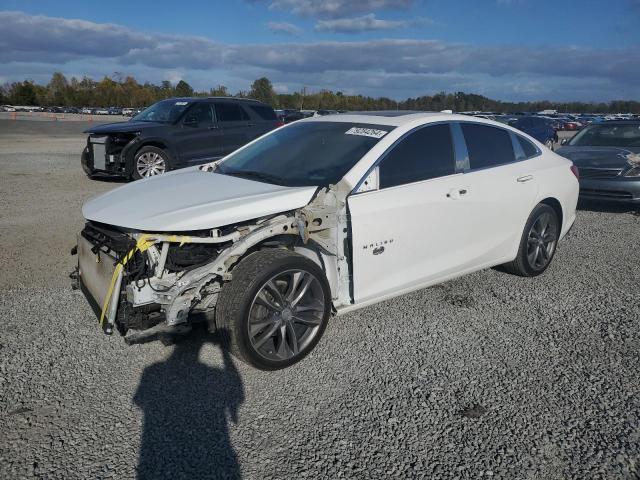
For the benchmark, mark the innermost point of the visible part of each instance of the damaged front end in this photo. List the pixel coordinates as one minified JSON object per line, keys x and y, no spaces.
{"x":156,"y":281}
{"x":108,"y":154}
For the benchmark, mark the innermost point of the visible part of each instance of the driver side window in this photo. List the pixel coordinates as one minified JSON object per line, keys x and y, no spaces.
{"x":424,"y":154}
{"x":200,"y":114}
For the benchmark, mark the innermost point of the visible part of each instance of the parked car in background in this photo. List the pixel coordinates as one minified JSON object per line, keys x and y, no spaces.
{"x":173,"y":134}
{"x":294,"y":116}
{"x":540,"y":128}
{"x":607,"y":155}
{"x":568,"y":124}
{"x":326,"y":215}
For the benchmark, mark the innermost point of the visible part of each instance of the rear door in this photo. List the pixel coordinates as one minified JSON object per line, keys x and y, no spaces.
{"x":236,"y":124}
{"x":199,"y":138}
{"x":264,"y":117}
{"x":500,"y":190}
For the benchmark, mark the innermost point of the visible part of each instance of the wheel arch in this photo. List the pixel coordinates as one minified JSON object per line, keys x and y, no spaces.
{"x":292,"y":242}
{"x":153,"y":143}
{"x":557,"y":207}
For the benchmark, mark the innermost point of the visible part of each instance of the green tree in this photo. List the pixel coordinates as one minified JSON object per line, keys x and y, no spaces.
{"x":262,"y":89}
{"x":23,"y":93}
{"x":57,"y":90}
{"x":183,"y":89}
{"x":219,"y":91}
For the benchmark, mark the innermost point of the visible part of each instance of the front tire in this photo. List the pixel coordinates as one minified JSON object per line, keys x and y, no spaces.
{"x":538,"y":243}
{"x":150,"y":161}
{"x":275,"y":309}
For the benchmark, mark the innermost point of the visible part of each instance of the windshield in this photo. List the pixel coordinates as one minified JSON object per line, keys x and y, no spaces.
{"x":305,"y":154}
{"x":603,"y":135}
{"x":165,"y":111}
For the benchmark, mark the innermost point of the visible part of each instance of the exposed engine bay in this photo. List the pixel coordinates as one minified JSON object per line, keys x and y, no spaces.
{"x":109,"y":153}
{"x":142,"y":280}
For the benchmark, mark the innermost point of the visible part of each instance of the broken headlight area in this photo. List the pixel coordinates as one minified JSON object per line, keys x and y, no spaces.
{"x":108,"y":153}
{"x":132,"y":276}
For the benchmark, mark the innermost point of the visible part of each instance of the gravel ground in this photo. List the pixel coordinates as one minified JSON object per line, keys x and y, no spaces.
{"x":488,"y":376}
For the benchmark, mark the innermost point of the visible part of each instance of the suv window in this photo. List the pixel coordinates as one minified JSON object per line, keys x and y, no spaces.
{"x":424,"y":154}
{"x":527,"y":147}
{"x":230,"y":112}
{"x":200,"y":114}
{"x":264,"y":112}
{"x":487,"y":146}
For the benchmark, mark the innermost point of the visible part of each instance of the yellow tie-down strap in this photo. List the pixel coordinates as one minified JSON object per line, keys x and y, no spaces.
{"x":143,"y":243}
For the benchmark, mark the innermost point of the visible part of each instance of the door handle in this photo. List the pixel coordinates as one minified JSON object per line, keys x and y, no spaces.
{"x":214,"y":127}
{"x":524,"y":178}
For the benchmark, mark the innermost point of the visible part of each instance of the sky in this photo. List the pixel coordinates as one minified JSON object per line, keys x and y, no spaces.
{"x":569,"y":50}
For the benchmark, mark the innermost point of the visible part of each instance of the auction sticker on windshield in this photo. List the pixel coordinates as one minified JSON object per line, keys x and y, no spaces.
{"x":181,"y":103}
{"x":366,"y":132}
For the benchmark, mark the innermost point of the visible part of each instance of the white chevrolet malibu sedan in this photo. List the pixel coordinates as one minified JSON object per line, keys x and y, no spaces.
{"x":320,"y":218}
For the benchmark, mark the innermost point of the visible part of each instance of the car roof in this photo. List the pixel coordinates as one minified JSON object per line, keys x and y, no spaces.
{"x":200,"y":99}
{"x":392,"y":118}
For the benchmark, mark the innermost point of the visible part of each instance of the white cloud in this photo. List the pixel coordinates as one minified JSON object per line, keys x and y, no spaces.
{"x":284,"y":28}
{"x":366,"y":23}
{"x":337,"y":8}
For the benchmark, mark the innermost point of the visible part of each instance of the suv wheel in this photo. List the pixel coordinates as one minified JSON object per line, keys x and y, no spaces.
{"x":150,"y":161}
{"x":275,"y":309}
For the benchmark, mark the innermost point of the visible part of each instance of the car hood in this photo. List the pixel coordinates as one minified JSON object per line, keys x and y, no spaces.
{"x":122,"y":127}
{"x":599,"y":157}
{"x":191,"y":199}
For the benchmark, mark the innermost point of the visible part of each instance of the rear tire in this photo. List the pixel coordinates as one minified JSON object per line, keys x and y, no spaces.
{"x":275,"y":309}
{"x":537,"y":244}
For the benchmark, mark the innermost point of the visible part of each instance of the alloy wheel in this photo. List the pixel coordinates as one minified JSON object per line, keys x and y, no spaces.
{"x":286,"y":314}
{"x":541,"y":241}
{"x":150,"y":164}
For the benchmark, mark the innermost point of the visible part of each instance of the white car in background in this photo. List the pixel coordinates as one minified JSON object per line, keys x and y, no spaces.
{"x":323,"y":216}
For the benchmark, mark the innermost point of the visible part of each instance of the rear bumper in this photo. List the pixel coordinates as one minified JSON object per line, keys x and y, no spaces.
{"x":614,"y":190}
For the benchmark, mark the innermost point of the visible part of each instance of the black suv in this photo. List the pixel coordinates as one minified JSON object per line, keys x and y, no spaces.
{"x":175,"y":133}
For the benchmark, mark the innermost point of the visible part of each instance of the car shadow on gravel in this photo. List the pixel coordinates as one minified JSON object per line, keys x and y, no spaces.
{"x":608,"y":207}
{"x":187,"y":406}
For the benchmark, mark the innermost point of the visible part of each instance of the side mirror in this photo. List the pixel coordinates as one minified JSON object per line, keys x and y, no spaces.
{"x":190,"y":122}
{"x":564,"y":141}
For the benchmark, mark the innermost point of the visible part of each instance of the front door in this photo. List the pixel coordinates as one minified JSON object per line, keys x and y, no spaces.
{"x":414,"y":228}
{"x":200,"y":138}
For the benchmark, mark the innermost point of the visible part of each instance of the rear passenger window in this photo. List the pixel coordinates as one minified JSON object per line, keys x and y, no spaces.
{"x":527,"y":147}
{"x":230,"y":112}
{"x":487,"y":146}
{"x":424,"y":154}
{"x":264,"y":112}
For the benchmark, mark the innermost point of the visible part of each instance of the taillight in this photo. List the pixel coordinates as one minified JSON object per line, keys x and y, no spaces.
{"x":575,"y":171}
{"x":279,"y":123}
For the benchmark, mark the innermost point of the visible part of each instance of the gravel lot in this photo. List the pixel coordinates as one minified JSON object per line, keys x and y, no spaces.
{"x":488,"y":376}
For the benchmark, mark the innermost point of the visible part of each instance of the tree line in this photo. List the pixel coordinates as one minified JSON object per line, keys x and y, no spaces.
{"x":119,"y":91}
